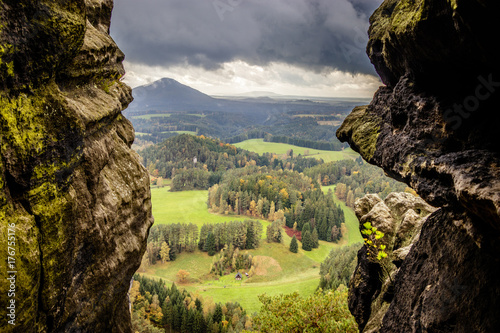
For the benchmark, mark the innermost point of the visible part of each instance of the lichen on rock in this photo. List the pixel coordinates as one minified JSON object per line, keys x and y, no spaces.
{"x":69,"y":181}
{"x":438,"y":117}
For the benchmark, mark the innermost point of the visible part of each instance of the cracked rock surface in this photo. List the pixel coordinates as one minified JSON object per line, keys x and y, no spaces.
{"x":433,"y":125}
{"x":76,"y":192}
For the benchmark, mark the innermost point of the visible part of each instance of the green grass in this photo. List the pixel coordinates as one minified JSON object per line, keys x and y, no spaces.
{"x":185,"y":207}
{"x":181,"y":132}
{"x":247,"y":295}
{"x":260,"y":147}
{"x":149,"y":116}
{"x":297,"y":272}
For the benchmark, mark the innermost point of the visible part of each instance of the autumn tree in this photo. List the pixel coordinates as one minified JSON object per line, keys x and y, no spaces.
{"x":341,"y":191}
{"x":182,"y":275}
{"x":271,"y":211}
{"x":292,"y":313}
{"x":165,"y":252}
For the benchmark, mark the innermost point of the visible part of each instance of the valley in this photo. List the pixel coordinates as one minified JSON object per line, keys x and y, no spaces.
{"x":287,"y":273}
{"x":233,"y":190}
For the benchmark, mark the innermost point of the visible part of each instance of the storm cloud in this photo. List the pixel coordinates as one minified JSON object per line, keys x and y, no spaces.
{"x":316,"y":35}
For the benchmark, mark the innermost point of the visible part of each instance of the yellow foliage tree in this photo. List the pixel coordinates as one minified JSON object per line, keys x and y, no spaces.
{"x":182,"y":275}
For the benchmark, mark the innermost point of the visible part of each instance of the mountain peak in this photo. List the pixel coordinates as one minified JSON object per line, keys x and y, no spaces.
{"x":169,"y":95}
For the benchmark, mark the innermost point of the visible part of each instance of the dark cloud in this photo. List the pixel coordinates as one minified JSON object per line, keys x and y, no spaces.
{"x":319,"y":35}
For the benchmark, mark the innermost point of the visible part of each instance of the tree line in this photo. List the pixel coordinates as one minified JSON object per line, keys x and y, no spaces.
{"x":286,"y":196}
{"x":244,"y":235}
{"x":196,"y":162}
{"x":354,"y":179}
{"x":156,"y":308}
{"x":165,"y":241}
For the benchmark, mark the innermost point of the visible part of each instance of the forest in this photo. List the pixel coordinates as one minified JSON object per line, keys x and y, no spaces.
{"x":284,"y":195}
{"x":354,"y":179}
{"x":197,"y":162}
{"x":157,"y":308}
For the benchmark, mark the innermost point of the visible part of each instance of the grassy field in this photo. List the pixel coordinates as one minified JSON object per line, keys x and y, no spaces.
{"x":260,"y":147}
{"x":149,"y":116}
{"x":185,"y":207}
{"x":286,"y":273}
{"x":181,"y":132}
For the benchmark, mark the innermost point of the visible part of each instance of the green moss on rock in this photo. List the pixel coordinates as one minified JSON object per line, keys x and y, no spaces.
{"x":361,"y":130}
{"x":68,"y":179}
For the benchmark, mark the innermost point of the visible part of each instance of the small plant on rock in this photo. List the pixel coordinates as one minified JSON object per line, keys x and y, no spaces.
{"x":376,"y":251}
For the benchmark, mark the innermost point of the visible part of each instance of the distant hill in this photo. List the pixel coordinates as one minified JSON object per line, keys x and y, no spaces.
{"x":167,"y":106}
{"x":170,"y":95}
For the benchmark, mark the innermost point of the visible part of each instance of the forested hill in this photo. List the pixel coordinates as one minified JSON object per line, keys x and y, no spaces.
{"x":197,"y":162}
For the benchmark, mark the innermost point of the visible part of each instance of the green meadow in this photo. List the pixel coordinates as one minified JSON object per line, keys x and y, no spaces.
{"x":149,"y":116}
{"x":281,"y":270}
{"x":181,"y":132}
{"x":260,"y":147}
{"x":185,"y":207}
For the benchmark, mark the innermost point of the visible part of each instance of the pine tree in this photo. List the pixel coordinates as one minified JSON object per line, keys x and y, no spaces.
{"x":315,"y":239}
{"x":217,"y":313}
{"x":306,"y":227}
{"x":307,"y":242}
{"x":294,"y":247}
{"x":199,"y":323}
{"x":199,"y":305}
{"x":250,"y":238}
{"x":185,"y":319}
{"x":210,"y":244}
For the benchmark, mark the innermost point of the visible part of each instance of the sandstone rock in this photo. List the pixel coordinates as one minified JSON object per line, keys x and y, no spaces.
{"x":371,"y":287}
{"x":365,"y":204}
{"x":69,"y":181}
{"x":433,"y":126}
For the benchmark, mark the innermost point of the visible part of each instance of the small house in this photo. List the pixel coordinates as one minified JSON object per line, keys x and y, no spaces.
{"x":238,"y":276}
{"x":246,"y":274}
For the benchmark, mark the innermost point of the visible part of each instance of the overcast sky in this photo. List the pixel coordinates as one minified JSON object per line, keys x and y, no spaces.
{"x":225,"y":47}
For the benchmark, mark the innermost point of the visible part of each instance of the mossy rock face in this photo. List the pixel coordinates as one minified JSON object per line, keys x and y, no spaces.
{"x":434,"y":126}
{"x":37,"y":39}
{"x":69,"y":182}
{"x":430,"y":39}
{"x":361,"y":130}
